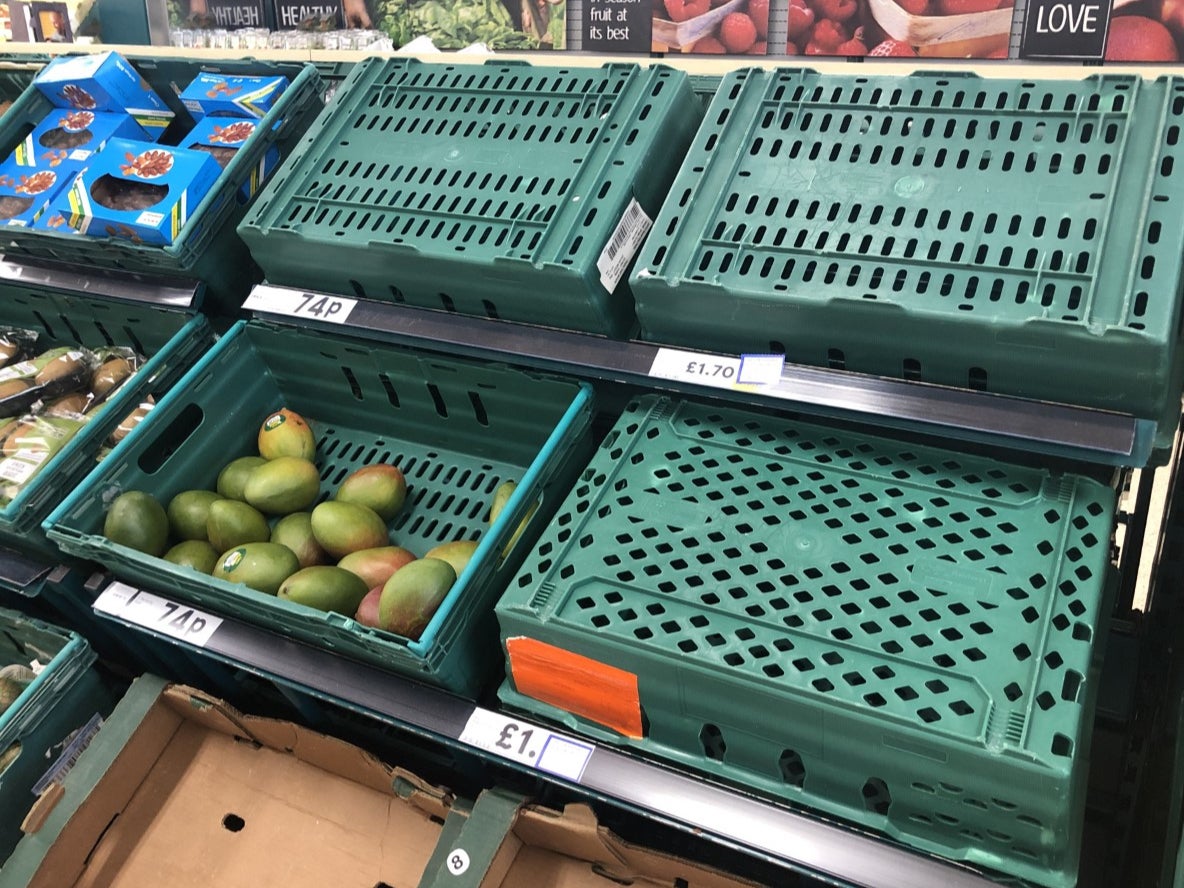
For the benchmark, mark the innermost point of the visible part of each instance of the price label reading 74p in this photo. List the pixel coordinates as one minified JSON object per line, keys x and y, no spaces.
{"x":299,"y":304}
{"x":158,"y":614}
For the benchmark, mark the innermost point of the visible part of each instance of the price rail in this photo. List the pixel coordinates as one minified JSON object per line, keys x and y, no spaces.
{"x":716,"y":814}
{"x":960,"y":414}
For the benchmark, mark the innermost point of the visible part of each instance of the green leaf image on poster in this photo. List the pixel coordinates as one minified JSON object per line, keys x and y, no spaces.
{"x":506,"y":25}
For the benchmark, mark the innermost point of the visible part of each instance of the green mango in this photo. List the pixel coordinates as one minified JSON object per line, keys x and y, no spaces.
{"x":198,"y":554}
{"x":261,"y":566}
{"x":458,"y":553}
{"x":381,"y":488}
{"x":232,"y":523}
{"x":189,"y":511}
{"x":283,"y":485}
{"x":135,"y":519}
{"x":295,"y":532}
{"x":412,"y":594}
{"x":233,"y":477}
{"x":342,"y":528}
{"x":325,"y":588}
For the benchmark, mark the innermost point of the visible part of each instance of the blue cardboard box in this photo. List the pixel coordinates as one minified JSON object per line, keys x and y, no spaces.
{"x":26,"y":191}
{"x":217,"y":95}
{"x":103,"y":82}
{"x":139,"y":191}
{"x":221,"y":137}
{"x":66,"y":138}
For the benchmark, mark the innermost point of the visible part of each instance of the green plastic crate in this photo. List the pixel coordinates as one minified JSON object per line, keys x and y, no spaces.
{"x":63,"y":698}
{"x":207,"y":247}
{"x":488,"y":190}
{"x":171,"y":339}
{"x":456,"y":429}
{"x":892,"y":633}
{"x":1014,"y":236}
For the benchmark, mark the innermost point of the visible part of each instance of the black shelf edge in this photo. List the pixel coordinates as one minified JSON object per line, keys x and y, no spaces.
{"x":167,"y":292}
{"x":778,"y":834}
{"x":961,"y":414}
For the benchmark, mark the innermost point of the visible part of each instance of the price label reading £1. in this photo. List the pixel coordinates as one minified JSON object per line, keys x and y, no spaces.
{"x":158,"y":614}
{"x":529,"y":744}
{"x":298,"y":304}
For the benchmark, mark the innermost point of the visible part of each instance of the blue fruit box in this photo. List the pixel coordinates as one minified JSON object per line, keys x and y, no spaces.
{"x":139,"y":191}
{"x":220,"y":96}
{"x":103,"y":82}
{"x":211,"y":133}
{"x":25,"y":191}
{"x":67,"y":137}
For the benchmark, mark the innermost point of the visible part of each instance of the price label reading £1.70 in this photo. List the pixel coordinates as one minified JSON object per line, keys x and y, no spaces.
{"x":298,"y":304}
{"x":521,"y":741}
{"x":158,"y":614}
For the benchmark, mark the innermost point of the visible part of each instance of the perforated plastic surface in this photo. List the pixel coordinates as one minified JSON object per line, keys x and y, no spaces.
{"x":456,"y":429}
{"x":485,"y":189}
{"x":897,"y":634}
{"x":1018,"y":237}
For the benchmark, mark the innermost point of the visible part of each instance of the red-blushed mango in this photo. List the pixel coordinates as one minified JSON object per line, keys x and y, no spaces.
{"x":285,"y":433}
{"x":381,"y":488}
{"x":412,"y":595}
{"x":458,"y":553}
{"x":367,"y":613}
{"x":283,"y":485}
{"x":261,"y":566}
{"x":325,"y":588}
{"x":342,"y":528}
{"x":375,"y":566}
{"x":295,"y":532}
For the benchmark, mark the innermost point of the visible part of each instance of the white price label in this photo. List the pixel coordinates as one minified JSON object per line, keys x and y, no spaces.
{"x":701,"y":369}
{"x":159,"y":614}
{"x":521,"y":741}
{"x":622,"y":246}
{"x":18,"y":470}
{"x":760,"y":369}
{"x":298,"y":304}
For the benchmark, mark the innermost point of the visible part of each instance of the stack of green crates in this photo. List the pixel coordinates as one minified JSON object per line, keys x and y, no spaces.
{"x":1018,"y":237}
{"x":457,"y":430}
{"x":50,"y":721}
{"x":889,"y":632}
{"x":501,"y":190}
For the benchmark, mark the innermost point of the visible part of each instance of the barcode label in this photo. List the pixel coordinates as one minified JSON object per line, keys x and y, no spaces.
{"x":622,"y":246}
{"x":69,"y":757}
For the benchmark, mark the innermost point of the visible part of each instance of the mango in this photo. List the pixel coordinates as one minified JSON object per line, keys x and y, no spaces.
{"x":295,"y":532}
{"x":458,"y":553}
{"x":285,"y":433}
{"x":282,"y":485}
{"x":342,"y":528}
{"x":501,"y":496}
{"x":412,"y":594}
{"x":261,"y":566}
{"x":325,"y":588}
{"x":188,"y":513}
{"x":382,"y":488}
{"x":198,"y":554}
{"x":232,"y":523}
{"x":367,"y":612}
{"x":375,"y":566}
{"x":135,"y":519}
{"x":233,"y":477}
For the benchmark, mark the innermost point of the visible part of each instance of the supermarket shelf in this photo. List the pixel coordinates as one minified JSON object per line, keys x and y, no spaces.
{"x":1060,"y":429}
{"x":775,"y":833}
{"x":19,"y":572}
{"x":169,"y":292}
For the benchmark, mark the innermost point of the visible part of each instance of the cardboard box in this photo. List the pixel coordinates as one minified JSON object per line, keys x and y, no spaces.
{"x":66,"y":138}
{"x":221,"y":96}
{"x":222,"y":137}
{"x":26,"y":191}
{"x":139,"y":191}
{"x":507,"y":844}
{"x":179,"y":790}
{"x":103,"y":82}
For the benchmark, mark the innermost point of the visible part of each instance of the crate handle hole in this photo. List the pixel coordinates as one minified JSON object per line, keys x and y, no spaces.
{"x":359,"y":290}
{"x":233,"y":822}
{"x":876,"y":797}
{"x":793,"y":769}
{"x":1062,"y":745}
{"x":714,"y":746}
{"x":438,"y":400}
{"x":171,"y":438}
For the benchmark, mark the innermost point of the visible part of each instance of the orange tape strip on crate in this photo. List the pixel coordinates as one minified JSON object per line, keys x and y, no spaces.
{"x":583,"y":686}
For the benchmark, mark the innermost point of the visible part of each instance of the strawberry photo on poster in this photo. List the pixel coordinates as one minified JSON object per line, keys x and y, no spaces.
{"x":1146,"y":31}
{"x":900,"y":28}
{"x":717,"y":27}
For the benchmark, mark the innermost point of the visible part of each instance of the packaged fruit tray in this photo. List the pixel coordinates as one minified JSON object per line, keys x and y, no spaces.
{"x":455,"y":430}
{"x":171,"y":340}
{"x":39,"y":714}
{"x":1016,"y":237}
{"x":503,"y":190}
{"x":206,"y":246}
{"x":895,"y":634}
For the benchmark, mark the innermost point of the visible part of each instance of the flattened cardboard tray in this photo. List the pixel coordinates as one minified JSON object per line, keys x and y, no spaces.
{"x":180,"y":790}
{"x":505,"y":843}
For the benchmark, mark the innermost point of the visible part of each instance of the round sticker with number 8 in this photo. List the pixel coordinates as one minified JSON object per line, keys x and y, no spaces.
{"x":458,"y":861}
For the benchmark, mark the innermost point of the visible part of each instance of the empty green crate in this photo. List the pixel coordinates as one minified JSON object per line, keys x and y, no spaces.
{"x":207,"y":247}
{"x":1020,"y":237}
{"x":489,"y":190}
{"x":456,"y":429}
{"x":170,"y":339}
{"x":896,"y":634}
{"x":61,"y":700}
